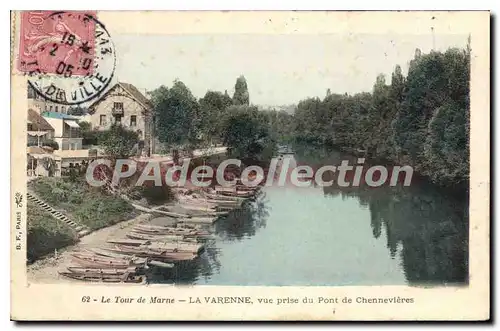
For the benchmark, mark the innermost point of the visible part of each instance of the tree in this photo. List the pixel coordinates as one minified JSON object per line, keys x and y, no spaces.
{"x":90,"y":137}
{"x":241,"y":96}
{"x":422,"y":120}
{"x":212,"y":109}
{"x":177,"y":114}
{"x":118,"y":142}
{"x":246,"y":132}
{"x":49,"y":164}
{"x":77,"y":111}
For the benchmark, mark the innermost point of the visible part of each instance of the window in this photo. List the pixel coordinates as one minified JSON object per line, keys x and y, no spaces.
{"x":118,"y":118}
{"x":57,"y":109}
{"x":118,"y":105}
{"x":46,"y":108}
{"x":102,"y":120}
{"x":133,"y":120}
{"x":62,"y":109}
{"x":50,"y":108}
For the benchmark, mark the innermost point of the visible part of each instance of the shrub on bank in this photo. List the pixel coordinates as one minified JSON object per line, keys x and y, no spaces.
{"x":154,"y":195}
{"x":45,"y":234}
{"x":102,"y":212}
{"x":82,"y":203}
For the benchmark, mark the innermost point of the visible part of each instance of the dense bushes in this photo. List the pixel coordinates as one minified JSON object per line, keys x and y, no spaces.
{"x":101,"y":212}
{"x":45,"y":234}
{"x":51,"y":143}
{"x":421,"y":120}
{"x":154,"y":195}
{"x":48,"y":142}
{"x":247,"y":132}
{"x":84,"y":204}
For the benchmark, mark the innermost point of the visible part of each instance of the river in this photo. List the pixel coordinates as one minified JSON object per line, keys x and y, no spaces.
{"x":328,"y":236}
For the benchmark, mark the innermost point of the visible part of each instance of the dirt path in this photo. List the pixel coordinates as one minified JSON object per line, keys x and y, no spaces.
{"x":46,"y":270}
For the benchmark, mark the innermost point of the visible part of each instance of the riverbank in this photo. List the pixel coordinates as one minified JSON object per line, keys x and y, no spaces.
{"x":45,"y":270}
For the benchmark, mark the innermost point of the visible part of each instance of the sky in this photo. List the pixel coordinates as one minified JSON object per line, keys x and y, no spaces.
{"x":279,"y":69}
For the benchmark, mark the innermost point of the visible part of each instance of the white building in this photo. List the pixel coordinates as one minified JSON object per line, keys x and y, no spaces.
{"x":40,"y":105}
{"x":126,"y":105}
{"x":66,"y":130}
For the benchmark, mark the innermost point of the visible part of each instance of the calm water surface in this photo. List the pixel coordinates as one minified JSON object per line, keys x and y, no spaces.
{"x":414,"y":235}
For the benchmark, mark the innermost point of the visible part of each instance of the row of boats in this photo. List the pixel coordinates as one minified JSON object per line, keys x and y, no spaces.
{"x":126,"y":260}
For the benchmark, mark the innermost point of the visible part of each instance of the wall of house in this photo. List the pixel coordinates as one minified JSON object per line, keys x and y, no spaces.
{"x":40,"y":106}
{"x":57,"y":124}
{"x":67,"y":138}
{"x":130,"y":108}
{"x":34,"y":139}
{"x":69,"y":143}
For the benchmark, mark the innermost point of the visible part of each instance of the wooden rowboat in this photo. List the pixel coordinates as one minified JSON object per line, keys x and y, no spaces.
{"x":161,"y":254}
{"x":218,"y":197}
{"x":107,"y":271}
{"x":93,"y":277}
{"x":95,"y":261}
{"x":158,"y":237}
{"x":168,"y":234}
{"x":197,"y":208}
{"x":165,"y":230}
{"x":104,"y":252}
{"x":194,"y":248}
{"x":108,"y":254}
{"x":142,"y":236}
{"x":168,"y":246}
{"x":208,"y":203}
{"x":232,"y":192}
{"x":128,"y":242}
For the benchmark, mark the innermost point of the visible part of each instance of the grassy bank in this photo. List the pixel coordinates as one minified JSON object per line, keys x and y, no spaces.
{"x":45,"y":234}
{"x":82,"y":203}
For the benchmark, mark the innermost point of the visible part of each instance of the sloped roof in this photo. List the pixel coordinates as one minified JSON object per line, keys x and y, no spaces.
{"x":39,"y":121}
{"x":131,"y":90}
{"x":60,"y":116}
{"x":136,"y":94}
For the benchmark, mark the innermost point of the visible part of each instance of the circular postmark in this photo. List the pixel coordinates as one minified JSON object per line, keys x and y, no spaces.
{"x":69,"y":56}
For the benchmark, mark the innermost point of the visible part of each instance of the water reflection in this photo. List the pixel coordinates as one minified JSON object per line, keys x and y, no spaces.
{"x":246,"y":221}
{"x":416,"y":235}
{"x":430,"y":224}
{"x":238,"y":224}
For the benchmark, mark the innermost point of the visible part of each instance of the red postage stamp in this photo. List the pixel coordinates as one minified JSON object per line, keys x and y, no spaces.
{"x":56,"y":42}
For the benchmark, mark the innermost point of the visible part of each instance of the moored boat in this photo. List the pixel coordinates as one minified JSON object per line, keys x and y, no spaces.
{"x":143,"y":236}
{"x":97,"y":277}
{"x":232,"y":192}
{"x":208,"y":203}
{"x":167,"y":230}
{"x":106,"y":253}
{"x":162,"y":254}
{"x":107,"y":271}
{"x":160,"y":237}
{"x":159,"y":245}
{"x":219,"y":197}
{"x":95,"y":261}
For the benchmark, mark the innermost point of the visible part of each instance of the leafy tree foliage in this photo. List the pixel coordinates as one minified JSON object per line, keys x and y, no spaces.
{"x":421,"y":120}
{"x":90,"y":136}
{"x":177,"y":114}
{"x":241,"y":96}
{"x":118,"y":142}
{"x":212,"y":109}
{"x":246,"y":132}
{"x":77,"y":111}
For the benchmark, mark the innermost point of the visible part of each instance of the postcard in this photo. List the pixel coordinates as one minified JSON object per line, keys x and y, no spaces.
{"x":250,"y":165}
